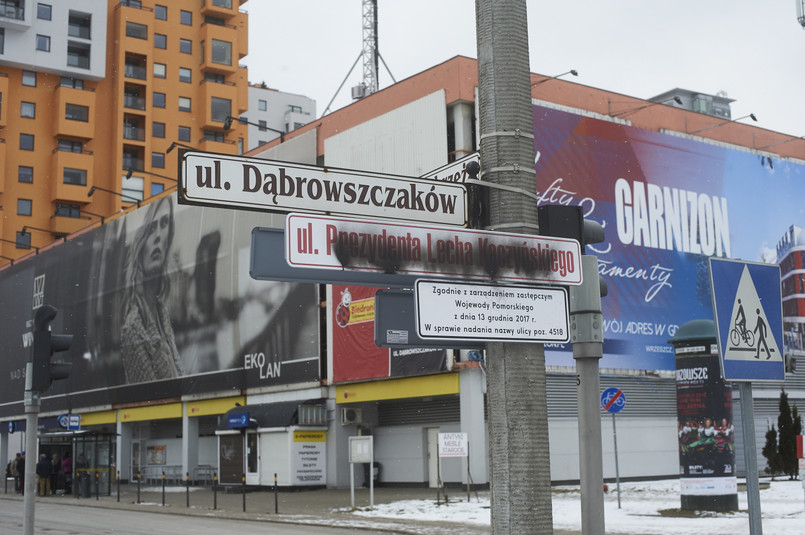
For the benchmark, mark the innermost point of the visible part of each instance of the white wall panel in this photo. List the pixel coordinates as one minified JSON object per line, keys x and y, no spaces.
{"x":410,"y":140}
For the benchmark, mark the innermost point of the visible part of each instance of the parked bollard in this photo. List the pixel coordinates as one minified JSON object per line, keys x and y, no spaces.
{"x":118,"y":485}
{"x":276,"y":500}
{"x":243,"y":490}
{"x":138,"y":487}
{"x":187,"y":480}
{"x":163,"y":488}
{"x":77,"y":484}
{"x":5,"y":489}
{"x":97,"y":486}
{"x":214,"y":491}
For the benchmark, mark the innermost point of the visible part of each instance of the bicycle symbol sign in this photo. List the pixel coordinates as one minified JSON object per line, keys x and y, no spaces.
{"x":613,"y":399}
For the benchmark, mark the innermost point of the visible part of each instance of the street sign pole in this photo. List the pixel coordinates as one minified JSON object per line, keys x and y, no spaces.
{"x":750,"y":456}
{"x":617,"y":468}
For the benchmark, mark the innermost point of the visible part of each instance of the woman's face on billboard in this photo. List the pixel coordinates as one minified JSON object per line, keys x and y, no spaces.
{"x":156,"y":246}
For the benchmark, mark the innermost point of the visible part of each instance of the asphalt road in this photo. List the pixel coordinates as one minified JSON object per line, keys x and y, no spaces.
{"x":58,"y":519}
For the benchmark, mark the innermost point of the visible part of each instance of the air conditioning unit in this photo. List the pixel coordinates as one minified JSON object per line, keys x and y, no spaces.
{"x":351,"y":416}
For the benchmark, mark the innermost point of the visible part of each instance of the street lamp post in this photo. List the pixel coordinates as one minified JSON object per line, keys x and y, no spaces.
{"x":242,"y":120}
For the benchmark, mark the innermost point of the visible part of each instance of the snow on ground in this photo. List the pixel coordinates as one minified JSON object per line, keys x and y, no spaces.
{"x":647,"y":508}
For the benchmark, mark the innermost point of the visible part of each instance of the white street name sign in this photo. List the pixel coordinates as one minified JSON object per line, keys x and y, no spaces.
{"x":454,"y":171}
{"x":324,"y":242}
{"x":466,"y":311}
{"x":258,"y":184}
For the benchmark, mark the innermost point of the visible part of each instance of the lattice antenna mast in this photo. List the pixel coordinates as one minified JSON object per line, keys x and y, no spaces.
{"x":370,"y":53}
{"x":801,"y":12}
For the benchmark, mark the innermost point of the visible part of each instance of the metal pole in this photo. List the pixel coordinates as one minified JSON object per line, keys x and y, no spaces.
{"x":243,"y":490}
{"x":31,"y":426}
{"x":97,"y":486}
{"x":138,"y":487}
{"x":750,"y":457}
{"x":276,"y":498}
{"x":214,"y":490}
{"x":617,"y":469}
{"x":352,"y":483}
{"x":118,"y":485}
{"x":187,"y":480}
{"x":586,"y":334}
{"x":163,"y":489}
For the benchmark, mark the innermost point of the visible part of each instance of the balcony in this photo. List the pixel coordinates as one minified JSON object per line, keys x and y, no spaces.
{"x":138,"y":72}
{"x":133,"y":102}
{"x":219,"y":8}
{"x":82,"y":127}
{"x":12,"y":9}
{"x":68,"y":225}
{"x":133,"y":162}
{"x":134,"y":133}
{"x":73,"y":193}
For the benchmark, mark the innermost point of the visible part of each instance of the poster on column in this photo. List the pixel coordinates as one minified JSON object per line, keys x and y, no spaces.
{"x":667,"y":203}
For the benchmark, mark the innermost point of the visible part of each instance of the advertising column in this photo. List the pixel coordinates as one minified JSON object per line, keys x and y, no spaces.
{"x":704,"y":409}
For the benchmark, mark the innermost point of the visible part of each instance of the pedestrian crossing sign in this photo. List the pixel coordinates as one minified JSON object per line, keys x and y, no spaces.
{"x":747,"y":305}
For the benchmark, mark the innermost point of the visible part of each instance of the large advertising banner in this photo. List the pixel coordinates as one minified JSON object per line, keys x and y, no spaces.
{"x":355,"y":355}
{"x":160,"y":304}
{"x":667,"y":203}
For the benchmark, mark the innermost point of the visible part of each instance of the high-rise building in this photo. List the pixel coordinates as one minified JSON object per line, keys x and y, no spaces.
{"x":273,"y":113}
{"x":93,"y":96}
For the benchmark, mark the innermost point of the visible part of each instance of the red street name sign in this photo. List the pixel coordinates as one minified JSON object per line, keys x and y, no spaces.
{"x":326,"y":242}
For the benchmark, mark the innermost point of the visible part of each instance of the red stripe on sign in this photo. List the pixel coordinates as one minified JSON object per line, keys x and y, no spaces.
{"x":612,"y":401}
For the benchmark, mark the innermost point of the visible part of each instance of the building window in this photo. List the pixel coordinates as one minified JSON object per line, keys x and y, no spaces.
{"x":77,"y":177}
{"x":262,"y":105}
{"x":43,"y":42}
{"x":226,"y":4}
{"x":44,"y":11}
{"x":158,"y":160}
{"x":75,"y":112}
{"x":160,"y":12}
{"x":159,"y":100}
{"x":159,"y":70}
{"x":220,"y":109}
{"x":69,"y":145}
{"x":137,"y":4}
{"x":79,"y":25}
{"x":160,"y":40}
{"x":78,"y":55}
{"x":24,"y":206}
{"x":184,"y":104}
{"x":28,"y":109}
{"x":23,"y":240}
{"x":221,"y":52}
{"x":185,"y":46}
{"x":2,"y":40}
{"x":158,"y":129}
{"x":184,"y":133}
{"x":138,"y":31}
{"x":157,"y":188}
{"x":186,"y":17}
{"x":218,"y":21}
{"x":68,"y":210}
{"x":29,"y":78}
{"x":25,"y":174}
{"x":262,"y":126}
{"x":214,"y":135}
{"x":185,"y":74}
{"x":26,"y":142}
{"x":75,"y":83}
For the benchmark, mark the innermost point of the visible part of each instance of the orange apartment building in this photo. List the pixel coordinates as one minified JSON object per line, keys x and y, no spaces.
{"x":93,"y":96}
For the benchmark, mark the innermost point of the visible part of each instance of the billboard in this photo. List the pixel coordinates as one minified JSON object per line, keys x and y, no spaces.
{"x":355,"y":355}
{"x":160,"y":304}
{"x":667,"y":203}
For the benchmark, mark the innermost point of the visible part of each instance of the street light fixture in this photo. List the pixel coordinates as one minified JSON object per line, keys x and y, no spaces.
{"x":781,"y":142}
{"x":574,"y":72}
{"x":179,"y":144}
{"x":621,"y":113}
{"x":128,"y":197}
{"x":751,"y":116}
{"x":243,"y":120}
{"x":131,"y":171}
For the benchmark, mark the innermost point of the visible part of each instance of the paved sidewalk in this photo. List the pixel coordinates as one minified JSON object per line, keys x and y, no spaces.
{"x":330,"y":507}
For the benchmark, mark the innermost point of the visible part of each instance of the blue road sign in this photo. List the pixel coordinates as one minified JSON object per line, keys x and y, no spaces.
{"x":238,"y":420}
{"x":613,"y":399}
{"x":747,"y":304}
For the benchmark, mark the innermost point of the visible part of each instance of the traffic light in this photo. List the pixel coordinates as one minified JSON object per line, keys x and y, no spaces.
{"x":568,"y":222}
{"x":44,"y":372}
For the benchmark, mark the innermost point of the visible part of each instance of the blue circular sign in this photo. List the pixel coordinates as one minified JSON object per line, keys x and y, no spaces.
{"x":613,"y":399}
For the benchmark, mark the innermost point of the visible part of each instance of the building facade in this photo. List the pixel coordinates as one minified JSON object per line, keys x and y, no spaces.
{"x":249,"y":367}
{"x":95,"y":94}
{"x":273,"y":113}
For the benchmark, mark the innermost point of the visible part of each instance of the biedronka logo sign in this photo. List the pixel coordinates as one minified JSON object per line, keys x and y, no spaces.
{"x":350,"y":313}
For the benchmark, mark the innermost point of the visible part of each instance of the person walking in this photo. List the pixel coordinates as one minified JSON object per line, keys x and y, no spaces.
{"x":43,"y":468}
{"x":55,"y":474}
{"x":21,"y":470}
{"x":15,"y":471}
{"x":67,"y":469}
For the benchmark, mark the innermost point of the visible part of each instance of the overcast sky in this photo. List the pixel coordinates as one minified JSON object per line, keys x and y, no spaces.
{"x":753,"y":50}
